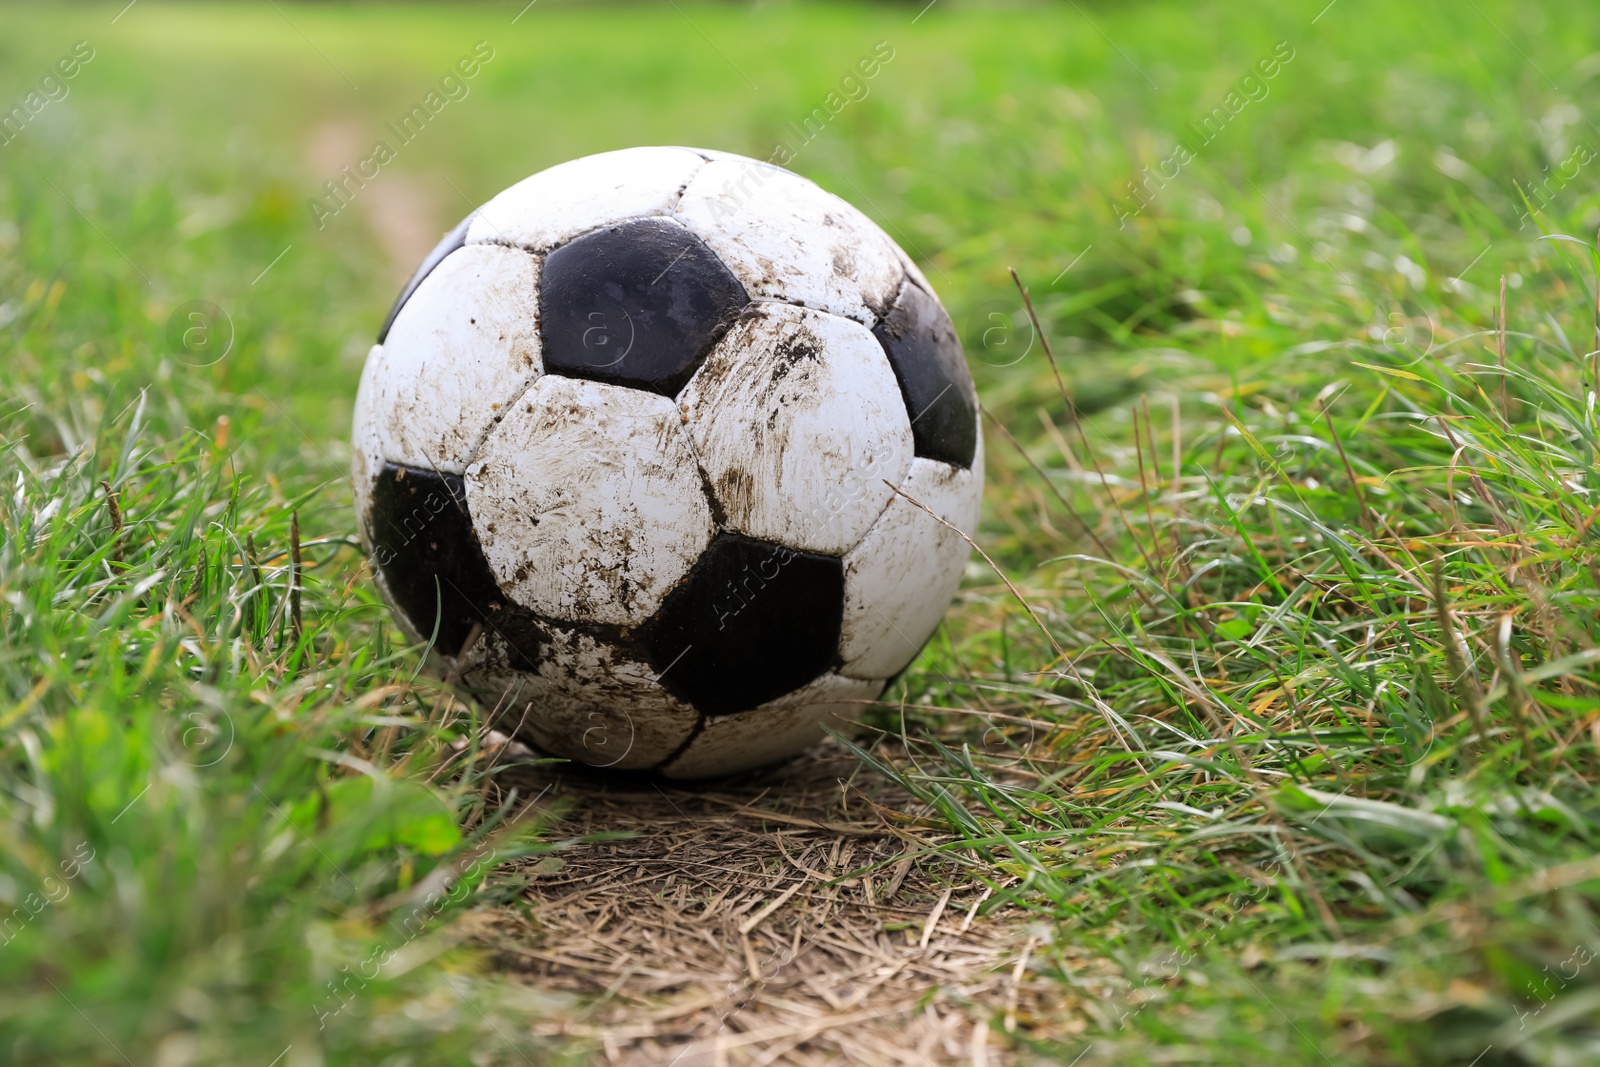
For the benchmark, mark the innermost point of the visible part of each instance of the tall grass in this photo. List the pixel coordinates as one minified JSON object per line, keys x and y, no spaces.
{"x":217,"y":828}
{"x":1314,"y":670}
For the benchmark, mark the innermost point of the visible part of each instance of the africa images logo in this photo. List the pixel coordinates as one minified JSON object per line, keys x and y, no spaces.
{"x":51,"y":88}
{"x":453,"y":86}
{"x":1252,"y":87}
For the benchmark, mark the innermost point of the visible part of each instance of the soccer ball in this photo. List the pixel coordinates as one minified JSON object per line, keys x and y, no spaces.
{"x":641,"y":450}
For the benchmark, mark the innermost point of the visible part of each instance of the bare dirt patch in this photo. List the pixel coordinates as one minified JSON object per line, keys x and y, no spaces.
{"x":798,"y":916}
{"x":405,"y":216}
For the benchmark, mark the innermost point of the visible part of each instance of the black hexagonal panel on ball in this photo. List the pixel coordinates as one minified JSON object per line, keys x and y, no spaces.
{"x":751,"y":622}
{"x":453,"y":240}
{"x":424,"y":546}
{"x":638,"y":304}
{"x":928,"y":363}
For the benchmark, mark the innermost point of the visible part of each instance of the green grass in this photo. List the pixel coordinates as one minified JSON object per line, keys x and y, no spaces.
{"x":1312,"y":767}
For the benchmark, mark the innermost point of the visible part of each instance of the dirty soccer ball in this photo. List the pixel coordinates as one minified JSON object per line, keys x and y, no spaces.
{"x":626,"y":452}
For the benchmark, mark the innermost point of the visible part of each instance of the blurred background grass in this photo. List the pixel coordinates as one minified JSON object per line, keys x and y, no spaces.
{"x":995,"y":137}
{"x":1371,"y":198}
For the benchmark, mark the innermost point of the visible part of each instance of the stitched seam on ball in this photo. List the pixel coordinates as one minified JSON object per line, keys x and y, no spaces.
{"x":786,"y":302}
{"x":719,"y":516}
{"x":905,"y":280}
{"x":755,"y":299}
{"x":705,"y":480}
{"x":677,"y":198}
{"x":893,"y":496}
{"x":483,"y":438}
{"x":842,"y":672}
{"x":897,"y":254}
{"x":694,"y":733}
{"x":542,"y":251}
{"x":892,"y":377}
{"x":538,"y":337}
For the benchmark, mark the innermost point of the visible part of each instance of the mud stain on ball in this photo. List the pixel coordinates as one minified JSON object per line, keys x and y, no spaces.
{"x":736,"y":487}
{"x":792,"y":403}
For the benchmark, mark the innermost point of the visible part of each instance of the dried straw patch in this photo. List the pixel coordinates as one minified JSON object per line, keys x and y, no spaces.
{"x":797,"y":916}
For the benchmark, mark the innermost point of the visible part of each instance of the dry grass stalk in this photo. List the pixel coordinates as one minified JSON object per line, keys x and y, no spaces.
{"x":1516,"y":693}
{"x":1044,"y":340}
{"x":1144,"y":486}
{"x":1462,"y":678}
{"x":114,"y":506}
{"x":1088,"y":531}
{"x":295,"y":576}
{"x":1355,"y":485}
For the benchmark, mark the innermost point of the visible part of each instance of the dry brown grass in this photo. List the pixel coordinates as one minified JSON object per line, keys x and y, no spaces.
{"x":797,"y":916}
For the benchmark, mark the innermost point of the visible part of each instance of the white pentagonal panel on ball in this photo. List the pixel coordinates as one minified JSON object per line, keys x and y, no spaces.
{"x":590,"y":702}
{"x":587,"y":501}
{"x":787,"y":239}
{"x":463,"y":347}
{"x":901,"y":577}
{"x":730,"y":743}
{"x":558,"y":204}
{"x":798,"y":422}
